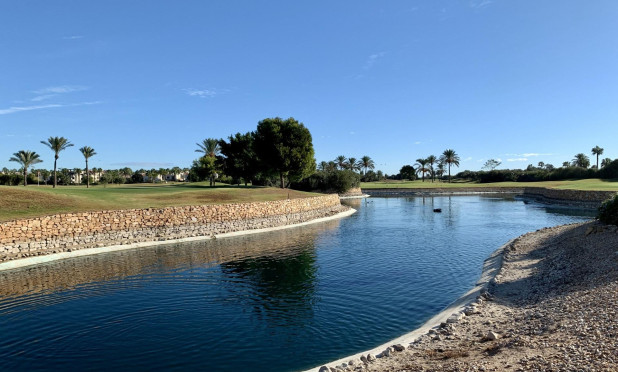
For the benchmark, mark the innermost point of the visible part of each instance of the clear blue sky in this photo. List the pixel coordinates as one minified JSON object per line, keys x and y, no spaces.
{"x":142,"y":81}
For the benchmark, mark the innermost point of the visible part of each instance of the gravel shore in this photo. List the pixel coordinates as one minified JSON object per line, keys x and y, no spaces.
{"x":552,"y":307}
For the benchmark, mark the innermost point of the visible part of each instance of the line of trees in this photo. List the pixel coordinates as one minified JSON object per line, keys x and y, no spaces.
{"x":432,"y":165}
{"x":578,"y":168}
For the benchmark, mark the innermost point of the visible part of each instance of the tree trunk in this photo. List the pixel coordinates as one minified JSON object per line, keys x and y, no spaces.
{"x":55,"y":179}
{"x":87,"y":175}
{"x":25,"y":177}
{"x":449,"y":173}
{"x":281,"y":178}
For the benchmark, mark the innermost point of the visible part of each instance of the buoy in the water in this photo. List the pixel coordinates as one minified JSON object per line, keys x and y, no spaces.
{"x":438,"y":210}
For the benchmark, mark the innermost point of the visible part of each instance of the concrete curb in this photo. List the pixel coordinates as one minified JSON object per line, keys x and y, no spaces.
{"x":32,"y":261}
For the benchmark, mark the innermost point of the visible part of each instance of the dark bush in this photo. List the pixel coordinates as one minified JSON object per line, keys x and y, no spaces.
{"x":610,"y":170}
{"x":572,"y":173}
{"x":338,"y":181}
{"x":608,"y":211}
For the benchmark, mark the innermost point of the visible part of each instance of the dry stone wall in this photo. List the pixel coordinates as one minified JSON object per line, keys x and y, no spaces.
{"x":583,"y":198}
{"x":71,"y":231}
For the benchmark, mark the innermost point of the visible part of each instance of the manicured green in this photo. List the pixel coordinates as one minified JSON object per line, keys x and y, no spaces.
{"x":587,"y":184}
{"x":33,"y":201}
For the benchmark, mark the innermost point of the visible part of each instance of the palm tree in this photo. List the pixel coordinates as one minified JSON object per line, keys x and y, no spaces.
{"x":581,"y":160}
{"x":431,"y":159}
{"x":176,"y":171}
{"x":367,"y":163}
{"x":605,"y":162}
{"x":597,"y":151}
{"x":88,"y":152}
{"x":440,"y":169}
{"x":340,"y":161}
{"x":421,"y":166}
{"x":566,"y":164}
{"x":322,"y":166}
{"x":26,"y":159}
{"x":352,"y":165}
{"x":209,"y":147}
{"x":126,"y":172}
{"x":450,"y":157}
{"x":152,"y":174}
{"x":57,"y":144}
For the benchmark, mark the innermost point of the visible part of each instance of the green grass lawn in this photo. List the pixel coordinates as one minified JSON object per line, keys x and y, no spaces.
{"x":32,"y":201}
{"x":589,"y":184}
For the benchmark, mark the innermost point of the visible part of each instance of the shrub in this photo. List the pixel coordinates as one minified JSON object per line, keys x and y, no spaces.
{"x":608,"y":211}
{"x":338,"y":181}
{"x":610,"y":170}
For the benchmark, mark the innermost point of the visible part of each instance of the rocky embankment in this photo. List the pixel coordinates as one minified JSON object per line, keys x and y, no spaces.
{"x":552,"y":307}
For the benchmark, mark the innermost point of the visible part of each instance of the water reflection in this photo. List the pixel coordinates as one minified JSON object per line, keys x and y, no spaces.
{"x":246,"y":253}
{"x":280,"y":290}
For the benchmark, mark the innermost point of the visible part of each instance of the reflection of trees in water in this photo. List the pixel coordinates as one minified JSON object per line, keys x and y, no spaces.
{"x":69,"y":274}
{"x":279,"y":289}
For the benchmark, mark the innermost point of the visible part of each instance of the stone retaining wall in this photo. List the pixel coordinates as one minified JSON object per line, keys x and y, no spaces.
{"x":582,"y":198}
{"x":71,"y":231}
{"x":579,"y":198}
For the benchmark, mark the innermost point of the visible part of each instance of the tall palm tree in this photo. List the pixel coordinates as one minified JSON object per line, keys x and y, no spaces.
{"x":340,"y":161}
{"x":597,"y":151}
{"x":56,"y":144}
{"x":209,"y":147}
{"x":581,"y":160}
{"x":605,"y":162}
{"x":26,"y":159}
{"x":421,"y":167}
{"x":450,"y":157}
{"x":431,"y":159}
{"x":566,"y":164}
{"x":88,"y":152}
{"x":322,"y":166}
{"x":367,"y":163}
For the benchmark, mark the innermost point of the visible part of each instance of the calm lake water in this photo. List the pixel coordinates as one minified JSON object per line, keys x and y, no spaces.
{"x":280,"y":301}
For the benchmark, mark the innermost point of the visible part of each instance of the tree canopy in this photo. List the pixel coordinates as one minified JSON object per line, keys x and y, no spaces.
{"x":284,"y":148}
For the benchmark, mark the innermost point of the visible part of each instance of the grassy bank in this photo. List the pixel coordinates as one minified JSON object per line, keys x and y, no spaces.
{"x":588,"y":184}
{"x":32,"y":201}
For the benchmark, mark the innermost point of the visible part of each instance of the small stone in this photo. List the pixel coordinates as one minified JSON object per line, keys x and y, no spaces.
{"x":364,"y":359}
{"x":371,"y":357}
{"x":399,"y":347}
{"x":324,"y":369}
{"x":491,"y":336}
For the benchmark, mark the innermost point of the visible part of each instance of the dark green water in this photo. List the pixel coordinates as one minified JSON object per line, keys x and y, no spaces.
{"x":278,"y":301}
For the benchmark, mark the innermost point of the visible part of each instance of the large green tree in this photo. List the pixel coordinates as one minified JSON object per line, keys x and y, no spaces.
{"x":450,"y":157}
{"x":88,"y":152}
{"x":407,"y":172}
{"x":26,"y":159}
{"x":284,"y":148}
{"x":240,"y":161}
{"x":57,"y":144}
{"x":597,"y":151}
